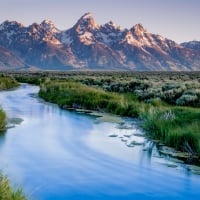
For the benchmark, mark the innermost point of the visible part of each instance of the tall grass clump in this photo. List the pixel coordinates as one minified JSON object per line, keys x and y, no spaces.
{"x":175,"y":126}
{"x":7,"y":82}
{"x":7,"y":192}
{"x":70,"y":94}
{"x":2,"y":120}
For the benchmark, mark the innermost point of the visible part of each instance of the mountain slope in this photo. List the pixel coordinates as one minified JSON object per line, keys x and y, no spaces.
{"x":9,"y":61}
{"x":88,"y":45}
{"x":195,"y":45}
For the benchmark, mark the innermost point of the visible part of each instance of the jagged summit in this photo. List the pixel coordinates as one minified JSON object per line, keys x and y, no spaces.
{"x":87,"y":21}
{"x":113,"y":25}
{"x":88,"y":45}
{"x":138,"y":28}
{"x":87,"y":15}
{"x":8,"y":23}
{"x":50,"y":26}
{"x":48,"y":22}
{"x":195,"y":45}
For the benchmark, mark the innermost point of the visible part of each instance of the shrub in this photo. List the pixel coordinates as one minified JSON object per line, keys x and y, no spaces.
{"x":186,"y":100}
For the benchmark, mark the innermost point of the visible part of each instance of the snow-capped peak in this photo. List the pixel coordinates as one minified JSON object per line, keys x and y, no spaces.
{"x":87,"y":15}
{"x":7,"y":24}
{"x":87,"y":45}
{"x":113,"y":25}
{"x":87,"y":21}
{"x":195,"y":44}
{"x":138,"y":28}
{"x":49,"y":25}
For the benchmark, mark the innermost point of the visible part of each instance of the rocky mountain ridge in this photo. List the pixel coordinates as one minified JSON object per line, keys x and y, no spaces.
{"x":88,"y":45}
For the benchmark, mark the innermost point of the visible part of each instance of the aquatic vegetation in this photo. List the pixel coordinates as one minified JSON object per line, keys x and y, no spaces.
{"x":7,"y":192}
{"x":178,"y":127}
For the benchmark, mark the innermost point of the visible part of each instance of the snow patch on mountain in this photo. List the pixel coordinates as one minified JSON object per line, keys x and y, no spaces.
{"x":87,"y":38}
{"x":66,"y":38}
{"x":49,"y":26}
{"x":88,"y":44}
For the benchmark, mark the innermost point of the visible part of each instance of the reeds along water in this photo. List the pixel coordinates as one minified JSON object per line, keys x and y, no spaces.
{"x":2,"y":120}
{"x":7,"y":192}
{"x":175,"y":126}
{"x":7,"y":82}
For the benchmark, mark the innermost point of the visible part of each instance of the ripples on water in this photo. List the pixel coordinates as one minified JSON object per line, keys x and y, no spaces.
{"x":57,"y":154}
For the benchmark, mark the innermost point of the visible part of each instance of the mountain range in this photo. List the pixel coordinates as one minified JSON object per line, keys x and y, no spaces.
{"x":88,"y":45}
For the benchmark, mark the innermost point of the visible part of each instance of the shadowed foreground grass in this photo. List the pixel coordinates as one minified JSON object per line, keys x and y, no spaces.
{"x":7,"y":192}
{"x":178,"y":127}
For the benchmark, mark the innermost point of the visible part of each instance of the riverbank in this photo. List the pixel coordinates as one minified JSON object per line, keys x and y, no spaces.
{"x":6,"y":82}
{"x":160,"y":99}
{"x":6,"y":191}
{"x":2,"y":120}
{"x":175,"y":126}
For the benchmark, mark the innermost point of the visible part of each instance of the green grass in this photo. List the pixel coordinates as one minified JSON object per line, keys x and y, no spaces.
{"x":2,"y":120}
{"x":70,"y":94}
{"x":175,"y":126}
{"x":7,"y":82}
{"x":7,"y":192}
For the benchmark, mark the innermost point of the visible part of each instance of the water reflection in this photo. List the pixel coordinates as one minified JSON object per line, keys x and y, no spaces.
{"x":57,"y":154}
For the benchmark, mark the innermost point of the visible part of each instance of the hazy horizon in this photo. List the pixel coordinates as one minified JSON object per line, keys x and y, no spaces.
{"x":173,"y":19}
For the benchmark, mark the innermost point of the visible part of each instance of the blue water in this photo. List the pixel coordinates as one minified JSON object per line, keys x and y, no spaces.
{"x":57,"y":154}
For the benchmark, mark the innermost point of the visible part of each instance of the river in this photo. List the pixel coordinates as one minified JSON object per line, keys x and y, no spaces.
{"x":54,"y":154}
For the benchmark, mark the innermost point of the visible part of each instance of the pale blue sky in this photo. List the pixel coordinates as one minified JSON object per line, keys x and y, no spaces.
{"x":174,"y":19}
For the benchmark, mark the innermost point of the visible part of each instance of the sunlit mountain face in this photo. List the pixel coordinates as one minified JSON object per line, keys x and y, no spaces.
{"x":88,"y":45}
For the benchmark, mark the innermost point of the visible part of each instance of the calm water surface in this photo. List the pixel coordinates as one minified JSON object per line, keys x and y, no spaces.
{"x":56,"y":154}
